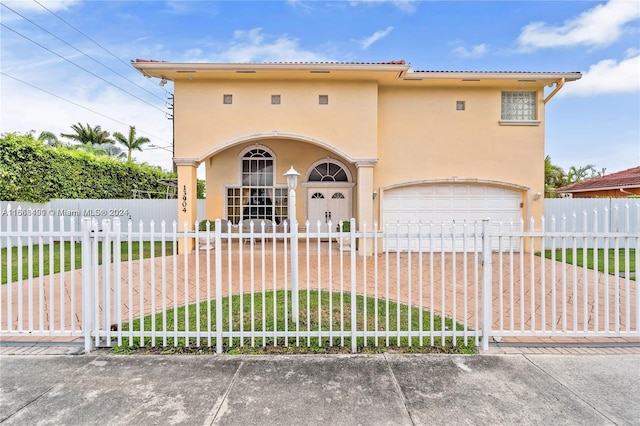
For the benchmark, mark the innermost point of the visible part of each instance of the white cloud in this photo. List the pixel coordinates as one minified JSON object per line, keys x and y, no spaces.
{"x":476,"y":51}
{"x":378,"y":35}
{"x":407,"y":6}
{"x":255,"y":46}
{"x":597,"y":27}
{"x":608,"y":76}
{"x":53,"y":5}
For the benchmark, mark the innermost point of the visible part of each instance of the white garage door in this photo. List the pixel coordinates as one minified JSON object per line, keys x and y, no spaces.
{"x":447,"y":203}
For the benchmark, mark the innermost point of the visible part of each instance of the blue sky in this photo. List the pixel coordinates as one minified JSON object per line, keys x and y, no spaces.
{"x":64,"y":62}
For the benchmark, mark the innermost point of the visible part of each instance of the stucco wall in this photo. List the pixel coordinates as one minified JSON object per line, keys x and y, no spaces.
{"x":349,"y":121}
{"x":415,"y":132}
{"x":423,"y":137}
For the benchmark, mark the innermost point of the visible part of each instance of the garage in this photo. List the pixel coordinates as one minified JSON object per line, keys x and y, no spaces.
{"x":448,"y":203}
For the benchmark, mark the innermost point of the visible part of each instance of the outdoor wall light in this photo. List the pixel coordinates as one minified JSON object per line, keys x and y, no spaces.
{"x":537,"y":196}
{"x":292,"y":178}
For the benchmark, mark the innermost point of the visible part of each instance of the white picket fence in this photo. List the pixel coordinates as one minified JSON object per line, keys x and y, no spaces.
{"x":274,"y":287}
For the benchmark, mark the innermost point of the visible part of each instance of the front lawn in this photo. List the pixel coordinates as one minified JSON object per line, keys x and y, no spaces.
{"x":315,"y":314}
{"x":591,"y":256}
{"x":45,"y":268}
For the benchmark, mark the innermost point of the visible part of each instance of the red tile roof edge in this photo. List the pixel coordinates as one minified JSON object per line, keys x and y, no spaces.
{"x":394,"y":62}
{"x":624,"y":178}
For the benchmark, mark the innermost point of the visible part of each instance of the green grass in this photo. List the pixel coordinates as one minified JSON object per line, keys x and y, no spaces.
{"x":590,"y":259}
{"x":45,"y":268}
{"x":268,"y":344}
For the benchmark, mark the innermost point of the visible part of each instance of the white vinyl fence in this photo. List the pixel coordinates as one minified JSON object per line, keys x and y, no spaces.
{"x":592,"y":215}
{"x":57,"y":211}
{"x":262,"y":286}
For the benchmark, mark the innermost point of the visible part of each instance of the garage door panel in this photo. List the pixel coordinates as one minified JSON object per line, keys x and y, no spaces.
{"x":446,"y":203}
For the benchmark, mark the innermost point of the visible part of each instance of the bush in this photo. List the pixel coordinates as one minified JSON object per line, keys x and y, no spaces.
{"x":202,"y":226}
{"x":346,"y":226}
{"x":33,"y":172}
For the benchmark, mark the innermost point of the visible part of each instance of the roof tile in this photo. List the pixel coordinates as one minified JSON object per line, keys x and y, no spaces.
{"x":621,"y":179}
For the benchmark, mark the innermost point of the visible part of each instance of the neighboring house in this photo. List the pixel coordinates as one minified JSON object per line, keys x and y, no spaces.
{"x":374,"y":141}
{"x":625,"y":183}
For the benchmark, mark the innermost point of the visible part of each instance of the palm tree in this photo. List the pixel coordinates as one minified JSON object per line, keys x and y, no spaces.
{"x":553,"y":177}
{"x":88,"y":135}
{"x":578,"y":174}
{"x":49,"y":138}
{"x":132,"y":142}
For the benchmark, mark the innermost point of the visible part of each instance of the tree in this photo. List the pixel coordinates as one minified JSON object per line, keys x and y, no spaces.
{"x":578,"y":174}
{"x":88,"y":135}
{"x":132,"y":142}
{"x":49,"y":138}
{"x":553,"y":177}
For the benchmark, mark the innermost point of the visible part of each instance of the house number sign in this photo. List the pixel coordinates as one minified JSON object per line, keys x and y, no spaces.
{"x":184,"y":198}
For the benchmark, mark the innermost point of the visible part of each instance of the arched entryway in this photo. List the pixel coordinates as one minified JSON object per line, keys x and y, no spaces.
{"x":329,"y":194}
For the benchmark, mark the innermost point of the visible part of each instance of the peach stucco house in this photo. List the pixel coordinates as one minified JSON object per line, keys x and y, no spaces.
{"x":374,"y":141}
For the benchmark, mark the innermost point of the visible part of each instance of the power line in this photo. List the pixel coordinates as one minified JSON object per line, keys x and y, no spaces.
{"x":87,"y":37}
{"x":82,"y":68}
{"x":81,"y":106}
{"x":80,"y":51}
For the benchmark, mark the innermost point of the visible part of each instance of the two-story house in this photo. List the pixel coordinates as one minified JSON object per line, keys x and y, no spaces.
{"x":375,"y":141}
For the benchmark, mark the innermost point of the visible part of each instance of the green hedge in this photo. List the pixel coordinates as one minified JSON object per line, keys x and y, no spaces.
{"x":33,"y":172}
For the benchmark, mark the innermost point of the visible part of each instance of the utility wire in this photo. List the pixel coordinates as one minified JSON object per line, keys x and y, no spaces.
{"x":84,"y":69}
{"x":81,"y":106}
{"x":80,"y":51}
{"x":87,"y":37}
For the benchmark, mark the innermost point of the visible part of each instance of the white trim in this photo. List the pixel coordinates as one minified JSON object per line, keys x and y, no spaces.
{"x":604,"y":188}
{"x":458,"y":180}
{"x":330,"y":184}
{"x":186,"y":161}
{"x":366,"y":162}
{"x":519,"y":122}
{"x":277,"y":135}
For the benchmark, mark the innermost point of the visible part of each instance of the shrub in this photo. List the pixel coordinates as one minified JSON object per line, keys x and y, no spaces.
{"x":33,"y":172}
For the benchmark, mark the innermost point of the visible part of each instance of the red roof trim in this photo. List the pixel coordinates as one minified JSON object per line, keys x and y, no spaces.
{"x":399,"y":62}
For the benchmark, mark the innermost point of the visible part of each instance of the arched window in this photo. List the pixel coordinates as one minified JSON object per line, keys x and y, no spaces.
{"x":257,"y":197}
{"x":257,"y":168}
{"x":328,"y":172}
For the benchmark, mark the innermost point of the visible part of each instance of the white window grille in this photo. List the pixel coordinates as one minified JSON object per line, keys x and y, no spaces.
{"x":257,"y":197}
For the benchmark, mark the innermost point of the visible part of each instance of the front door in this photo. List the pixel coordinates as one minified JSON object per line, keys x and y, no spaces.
{"x":328,"y":205}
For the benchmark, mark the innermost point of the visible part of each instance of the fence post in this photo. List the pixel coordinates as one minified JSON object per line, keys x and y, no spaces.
{"x":88,"y":286}
{"x":218,"y":266}
{"x":354,"y":305}
{"x":487,"y":285}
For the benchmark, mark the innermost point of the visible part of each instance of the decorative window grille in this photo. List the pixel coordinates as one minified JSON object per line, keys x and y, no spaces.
{"x":275,"y":99}
{"x":519,"y":106}
{"x":328,"y":172}
{"x":227,"y":99}
{"x":323,"y":99}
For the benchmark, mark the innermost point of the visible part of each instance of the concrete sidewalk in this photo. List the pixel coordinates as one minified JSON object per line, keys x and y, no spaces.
{"x":388,"y":389}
